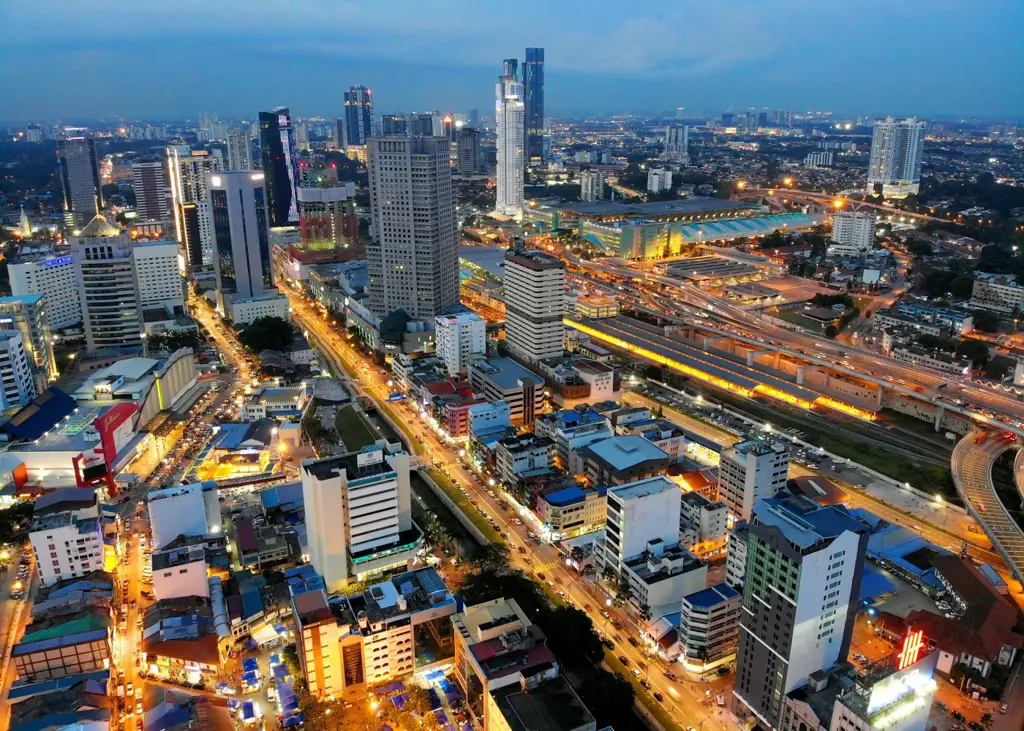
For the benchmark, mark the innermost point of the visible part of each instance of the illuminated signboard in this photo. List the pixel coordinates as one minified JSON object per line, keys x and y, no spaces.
{"x":58,"y":261}
{"x":913,"y":643}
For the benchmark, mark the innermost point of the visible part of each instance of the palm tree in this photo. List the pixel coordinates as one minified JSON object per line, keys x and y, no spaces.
{"x":624,"y":592}
{"x":645,"y":612}
{"x":578,"y":555}
{"x":986,"y":720}
{"x":492,"y":558}
{"x":609,"y":574}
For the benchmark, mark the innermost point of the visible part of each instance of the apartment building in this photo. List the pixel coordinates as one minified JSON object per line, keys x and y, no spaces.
{"x":66,"y":535}
{"x":751,"y":471}
{"x":709,"y":628}
{"x":504,"y":379}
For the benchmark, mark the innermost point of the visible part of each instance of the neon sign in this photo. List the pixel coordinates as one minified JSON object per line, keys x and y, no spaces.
{"x":913,"y":643}
{"x":58,"y":261}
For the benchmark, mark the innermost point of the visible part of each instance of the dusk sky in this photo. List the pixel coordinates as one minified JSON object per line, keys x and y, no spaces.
{"x":89,"y":58}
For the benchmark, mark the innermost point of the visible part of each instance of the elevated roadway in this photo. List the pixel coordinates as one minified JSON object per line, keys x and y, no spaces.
{"x":973,"y":459}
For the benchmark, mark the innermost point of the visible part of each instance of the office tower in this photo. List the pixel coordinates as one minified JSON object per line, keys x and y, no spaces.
{"x":358,"y":115}
{"x":460,"y":338}
{"x":468,"y":151}
{"x":762,"y":119}
{"x":80,"y":179}
{"x":474,"y":118}
{"x":676,"y":141}
{"x":327,"y":217}
{"x":897,"y":148}
{"x":28,"y":314}
{"x":533,"y":87}
{"x":509,"y":113}
{"x":190,"y":202}
{"x":659,"y":180}
{"x":239,"y":150}
{"x":448,"y":128}
{"x":510,"y":67}
{"x":413,"y":260}
{"x":358,"y":514}
{"x":67,"y":535}
{"x":592,"y":185}
{"x":751,"y":471}
{"x":242,"y":264}
{"x":280,"y":167}
{"x":152,"y":190}
{"x":680,"y":112}
{"x":534,"y":304}
{"x":106,"y":288}
{"x":395,"y":125}
{"x":54,"y":278}
{"x":302,"y":137}
{"x":422,"y":125}
{"x":853,"y":233}
{"x":804,"y":565}
{"x":17,"y":383}
{"x":157,"y":276}
{"x":728,"y":119}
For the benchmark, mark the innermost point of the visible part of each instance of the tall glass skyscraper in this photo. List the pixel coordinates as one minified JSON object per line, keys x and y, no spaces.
{"x":533,"y":83}
{"x":358,"y":115}
{"x":510,"y":126}
{"x":277,"y":148}
{"x":80,"y":179}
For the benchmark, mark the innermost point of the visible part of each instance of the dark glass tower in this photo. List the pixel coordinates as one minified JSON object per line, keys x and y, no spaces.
{"x":277,"y":148}
{"x":533,"y":83}
{"x":358,"y":115}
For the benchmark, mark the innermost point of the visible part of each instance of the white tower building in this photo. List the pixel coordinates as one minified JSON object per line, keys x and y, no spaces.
{"x":592,"y":185}
{"x":509,"y":116}
{"x":459,"y":338}
{"x":853,"y":232}
{"x":239,"y":150}
{"x":187,"y":169}
{"x":17,"y":383}
{"x":534,"y":304}
{"x":751,"y":471}
{"x":897,"y":148}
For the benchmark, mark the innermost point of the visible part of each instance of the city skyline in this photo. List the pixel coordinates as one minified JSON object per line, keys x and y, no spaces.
{"x":614,"y":60}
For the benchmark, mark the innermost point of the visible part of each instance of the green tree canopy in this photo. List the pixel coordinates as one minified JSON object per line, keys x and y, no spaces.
{"x":268,"y":333}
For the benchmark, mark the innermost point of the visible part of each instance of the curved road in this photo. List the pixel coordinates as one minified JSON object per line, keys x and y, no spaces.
{"x":973,"y":459}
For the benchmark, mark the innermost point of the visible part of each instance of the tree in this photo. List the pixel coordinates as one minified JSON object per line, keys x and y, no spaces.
{"x":290,"y":656}
{"x":919,"y":248}
{"x":831,"y":331}
{"x":578,"y":555}
{"x":609,"y":574}
{"x":976,"y":350}
{"x":645,"y":612}
{"x":493,"y":558}
{"x":268,"y":333}
{"x":985,"y":320}
{"x":624,"y":592}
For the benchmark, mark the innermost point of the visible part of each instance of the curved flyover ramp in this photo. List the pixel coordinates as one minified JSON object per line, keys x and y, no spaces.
{"x":972,"y":463}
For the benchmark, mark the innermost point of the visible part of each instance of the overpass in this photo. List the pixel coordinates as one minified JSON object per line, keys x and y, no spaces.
{"x":973,"y":459}
{"x":830,"y":199}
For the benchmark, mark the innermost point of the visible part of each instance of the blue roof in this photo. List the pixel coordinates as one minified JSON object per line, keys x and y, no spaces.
{"x":286,"y":497}
{"x":231,"y":436}
{"x":712,"y":596}
{"x":873,"y":584}
{"x":804,"y":522}
{"x":23,"y":689}
{"x":19,"y":298}
{"x":570,"y":495}
{"x":41,"y":415}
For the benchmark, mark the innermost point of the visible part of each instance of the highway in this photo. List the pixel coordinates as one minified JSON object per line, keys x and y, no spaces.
{"x":973,"y":459}
{"x":685,"y":701}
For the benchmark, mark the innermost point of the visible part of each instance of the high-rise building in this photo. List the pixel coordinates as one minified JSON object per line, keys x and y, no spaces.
{"x":395,"y":125}
{"x":897,"y":149}
{"x":751,"y":471}
{"x":51,"y":274}
{"x":659,"y":180}
{"x":413,"y":260}
{"x":28,"y":314}
{"x":474,"y":118}
{"x":468,"y":151}
{"x":302,"y":137}
{"x":17,"y":383}
{"x":459,"y":339}
{"x":509,"y":115}
{"x":534,"y":304}
{"x":592,"y":185}
{"x":533,"y":87}
{"x":358,"y":115}
{"x":327,"y":217}
{"x":67,"y":535}
{"x":728,"y":119}
{"x":804,"y":566}
{"x":190,"y":202}
{"x":677,"y":141}
{"x":280,"y":166}
{"x":359,"y":514}
{"x":80,"y":179}
{"x":853,"y":233}
{"x":238,"y":201}
{"x":152,"y":189}
{"x":239,"y":150}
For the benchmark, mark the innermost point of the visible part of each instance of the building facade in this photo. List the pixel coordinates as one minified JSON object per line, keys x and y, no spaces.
{"x":51,"y":274}
{"x":280,"y":166}
{"x":468,"y":151}
{"x":709,"y":626}
{"x":534,"y":304}
{"x":459,"y":339}
{"x":29,"y":315}
{"x":66,"y":535}
{"x":751,"y":471}
{"x":239,"y":150}
{"x":80,"y":179}
{"x":190,"y":202}
{"x":152,"y":189}
{"x":358,"y":116}
{"x":591,"y":185}
{"x":897,"y":150}
{"x":509,"y":117}
{"x":413,"y":260}
{"x":533,"y":105}
{"x":17,"y":383}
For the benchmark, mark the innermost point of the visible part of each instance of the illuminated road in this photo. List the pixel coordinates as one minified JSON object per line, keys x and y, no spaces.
{"x":827,"y":199}
{"x":682,"y":699}
{"x":973,"y":459}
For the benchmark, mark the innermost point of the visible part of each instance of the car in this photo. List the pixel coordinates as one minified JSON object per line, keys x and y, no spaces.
{"x":723,"y":670}
{"x":608,"y":643}
{"x":1003,"y":709}
{"x":636,"y":673}
{"x":541,"y":576}
{"x":633,"y":642}
{"x":624,"y":660}
{"x":659,"y":697}
{"x":670,"y":675}
{"x":645,"y":683}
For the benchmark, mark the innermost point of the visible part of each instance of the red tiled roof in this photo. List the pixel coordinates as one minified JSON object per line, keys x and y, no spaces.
{"x":203,"y":650}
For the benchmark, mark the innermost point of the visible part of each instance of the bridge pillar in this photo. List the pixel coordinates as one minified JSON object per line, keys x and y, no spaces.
{"x":752,"y":355}
{"x":778,"y":359}
{"x":800,"y":370}
{"x":938,"y":417}
{"x":709,"y":342}
{"x":881,"y":396}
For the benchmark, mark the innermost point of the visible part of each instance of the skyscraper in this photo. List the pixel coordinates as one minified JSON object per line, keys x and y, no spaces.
{"x":804,"y":565}
{"x":591,"y":185}
{"x":509,"y":115}
{"x":190,"y":203}
{"x":468,"y":151}
{"x":358,"y":115}
{"x":238,"y":201}
{"x":80,"y":179}
{"x":280,"y":166}
{"x":151,"y":188}
{"x":533,"y":85}
{"x":239,"y":150}
{"x":897,"y":147}
{"x":413,"y":260}
{"x":534,"y":304}
{"x":17,"y":385}
{"x":677,"y":141}
{"x":395,"y":124}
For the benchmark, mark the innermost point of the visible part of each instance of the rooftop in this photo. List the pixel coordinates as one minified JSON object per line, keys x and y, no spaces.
{"x":369,"y":462}
{"x":711,"y":597}
{"x":550,"y":706}
{"x":504,"y":372}
{"x":643,"y":488}
{"x":623,"y":452}
{"x":803,"y":522}
{"x":682,"y":206}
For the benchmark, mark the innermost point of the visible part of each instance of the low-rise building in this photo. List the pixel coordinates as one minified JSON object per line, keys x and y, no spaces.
{"x":571,"y":430}
{"x":709,"y":520}
{"x":67,"y":644}
{"x":287,"y":402}
{"x":930,"y":358}
{"x":504,"y":379}
{"x":999,"y":292}
{"x":709,"y":628}
{"x":67,"y":535}
{"x":622,"y":459}
{"x":185,"y":637}
{"x":522,"y":453}
{"x":572,"y":511}
{"x":597,"y":306}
